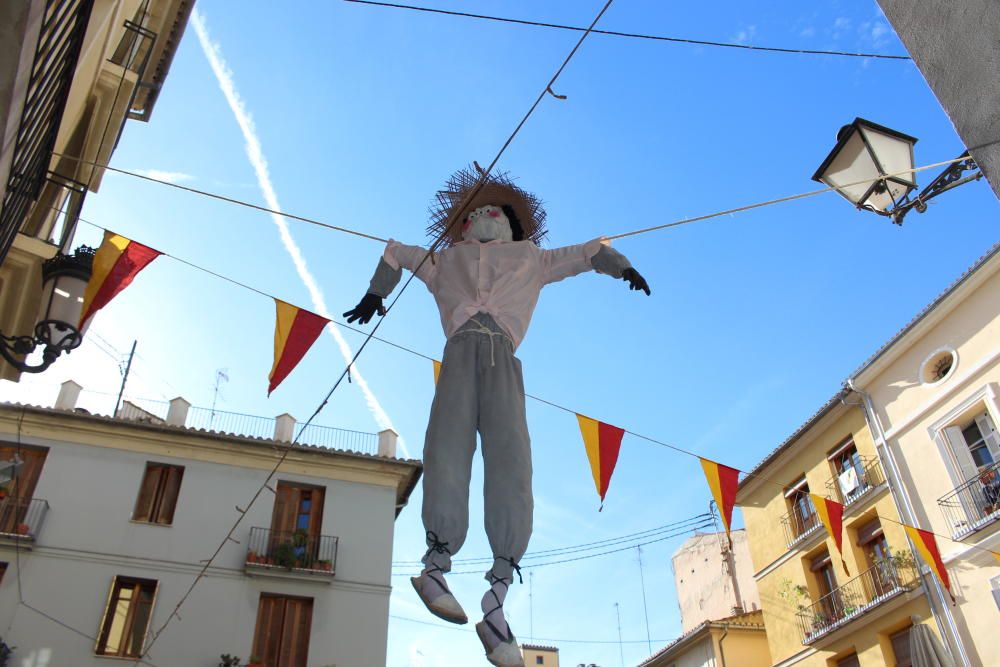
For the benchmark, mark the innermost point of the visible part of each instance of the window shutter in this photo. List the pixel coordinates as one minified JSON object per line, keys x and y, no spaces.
{"x":267,"y":635}
{"x":171,"y":489}
{"x":960,"y":450}
{"x":986,"y":426}
{"x":147,"y":493}
{"x":295,"y":635}
{"x":316,"y":513}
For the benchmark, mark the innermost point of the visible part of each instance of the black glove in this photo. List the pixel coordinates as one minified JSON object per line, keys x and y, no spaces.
{"x":366,"y":309}
{"x":635,"y":281}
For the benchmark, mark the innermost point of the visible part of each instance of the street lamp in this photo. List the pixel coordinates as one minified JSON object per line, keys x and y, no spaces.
{"x":871,"y":166}
{"x":64,"y":280}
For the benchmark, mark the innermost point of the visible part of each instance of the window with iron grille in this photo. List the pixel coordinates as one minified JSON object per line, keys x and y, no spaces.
{"x":161,"y":484}
{"x":126,"y":619}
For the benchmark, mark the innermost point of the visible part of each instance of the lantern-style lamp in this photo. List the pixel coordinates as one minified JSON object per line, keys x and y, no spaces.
{"x":872,"y":167}
{"x":866,"y":164}
{"x":64,"y":280}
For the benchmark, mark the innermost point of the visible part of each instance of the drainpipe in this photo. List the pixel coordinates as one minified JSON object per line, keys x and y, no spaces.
{"x":722,"y":653}
{"x":901,"y":499}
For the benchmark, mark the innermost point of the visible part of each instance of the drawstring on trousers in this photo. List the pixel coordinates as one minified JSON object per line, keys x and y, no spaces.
{"x":486,"y":331}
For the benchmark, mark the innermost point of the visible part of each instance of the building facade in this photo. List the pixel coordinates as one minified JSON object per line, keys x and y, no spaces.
{"x":110,"y":521}
{"x":540,"y":655}
{"x":734,"y":640}
{"x":820,"y":609}
{"x":933,"y":400}
{"x":72,"y":72}
{"x":713,"y":580}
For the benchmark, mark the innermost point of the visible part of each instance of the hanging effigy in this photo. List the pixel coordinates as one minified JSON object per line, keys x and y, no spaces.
{"x":486,"y":283}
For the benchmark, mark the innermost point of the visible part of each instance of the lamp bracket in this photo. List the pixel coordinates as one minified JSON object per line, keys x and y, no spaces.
{"x":14,"y":348}
{"x":948,"y":179}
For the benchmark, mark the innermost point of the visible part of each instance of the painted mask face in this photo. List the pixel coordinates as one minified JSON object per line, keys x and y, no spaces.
{"x":487,"y":223}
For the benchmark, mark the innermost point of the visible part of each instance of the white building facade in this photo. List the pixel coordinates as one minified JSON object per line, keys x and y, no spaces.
{"x":110,"y":522}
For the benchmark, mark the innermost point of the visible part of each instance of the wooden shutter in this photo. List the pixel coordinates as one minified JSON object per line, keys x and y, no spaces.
{"x":316,"y":512}
{"x":267,"y":634}
{"x":13,"y":512}
{"x":286,"y":505}
{"x":170,"y":487}
{"x":147,"y":493}
{"x":960,"y":450}
{"x":295,"y":633}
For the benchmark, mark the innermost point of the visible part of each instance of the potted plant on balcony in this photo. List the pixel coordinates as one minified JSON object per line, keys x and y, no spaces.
{"x":23,"y":529}
{"x":255,"y":662}
{"x":229,"y":660}
{"x":4,"y":491}
{"x":325,"y":565}
{"x":284,"y":555}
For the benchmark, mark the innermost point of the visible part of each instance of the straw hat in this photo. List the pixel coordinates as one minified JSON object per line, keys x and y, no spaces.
{"x":460,"y":197}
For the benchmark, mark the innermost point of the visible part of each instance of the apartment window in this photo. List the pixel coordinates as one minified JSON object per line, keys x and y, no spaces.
{"x":3,"y":571}
{"x":801,"y":508}
{"x":901,"y":648}
{"x":883,"y":573}
{"x":822,"y":569}
{"x":157,"y":499}
{"x":849,"y":661}
{"x":126,"y":619}
{"x":17,"y":494}
{"x":539,"y":660}
{"x":849,"y":470}
{"x":281,"y":638}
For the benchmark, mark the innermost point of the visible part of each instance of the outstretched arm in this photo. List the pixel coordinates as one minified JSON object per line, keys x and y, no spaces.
{"x":387,"y":276}
{"x":561,"y":263}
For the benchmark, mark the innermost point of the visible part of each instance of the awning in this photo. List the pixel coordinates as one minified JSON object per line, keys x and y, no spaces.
{"x":926,"y":649}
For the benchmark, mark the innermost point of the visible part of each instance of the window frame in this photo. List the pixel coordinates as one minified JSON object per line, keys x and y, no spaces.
{"x":156,"y":509}
{"x":107,"y":618}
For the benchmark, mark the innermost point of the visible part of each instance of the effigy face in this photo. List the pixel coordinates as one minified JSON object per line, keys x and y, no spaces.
{"x":487,"y":223}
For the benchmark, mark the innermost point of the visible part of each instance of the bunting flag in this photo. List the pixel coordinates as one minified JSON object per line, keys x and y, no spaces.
{"x":116,"y":263}
{"x":831,"y":513}
{"x":295,"y":330}
{"x":996,"y":555}
{"x":437,"y":370}
{"x":927,"y":547}
{"x":602,"y":442}
{"x":723,"y":481}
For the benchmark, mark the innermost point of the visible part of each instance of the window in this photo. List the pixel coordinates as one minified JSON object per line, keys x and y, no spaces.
{"x":938,"y":365}
{"x":281,"y":638}
{"x":901,"y":648}
{"x":849,"y":661}
{"x":829,"y":599}
{"x":539,"y":660}
{"x":126,"y":619}
{"x":802,"y":512}
{"x":872,"y":541}
{"x":17,"y":494}
{"x":849,"y":470}
{"x":3,"y":571}
{"x":158,"y":494}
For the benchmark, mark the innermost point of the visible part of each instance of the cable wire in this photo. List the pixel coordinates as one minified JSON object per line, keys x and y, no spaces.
{"x":615,"y":33}
{"x":537,"y":639}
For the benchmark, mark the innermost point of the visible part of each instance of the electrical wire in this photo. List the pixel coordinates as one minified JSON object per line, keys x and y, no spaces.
{"x":456,"y":214}
{"x":615,"y":33}
{"x":537,"y":639}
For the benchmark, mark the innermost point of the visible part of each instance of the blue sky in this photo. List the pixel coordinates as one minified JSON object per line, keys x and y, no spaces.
{"x":363,"y":112}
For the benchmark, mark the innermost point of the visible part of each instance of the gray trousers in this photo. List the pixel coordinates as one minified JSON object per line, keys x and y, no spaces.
{"x":480,"y":388}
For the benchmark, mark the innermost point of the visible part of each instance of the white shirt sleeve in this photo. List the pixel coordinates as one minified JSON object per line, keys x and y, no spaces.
{"x":561,"y":263}
{"x":410,"y":257}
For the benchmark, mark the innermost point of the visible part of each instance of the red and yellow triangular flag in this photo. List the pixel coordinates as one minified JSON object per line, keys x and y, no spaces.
{"x":295,"y":330}
{"x":602,"y":442}
{"x":116,"y":263}
{"x":831,"y":513}
{"x":723,"y":481}
{"x":996,"y":555}
{"x":926,"y":545}
{"x":437,"y":370}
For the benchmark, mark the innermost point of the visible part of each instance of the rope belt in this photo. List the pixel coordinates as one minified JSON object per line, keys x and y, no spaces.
{"x":486,"y":331}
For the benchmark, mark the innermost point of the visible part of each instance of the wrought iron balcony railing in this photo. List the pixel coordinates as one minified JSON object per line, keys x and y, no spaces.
{"x":22,"y":518}
{"x":798,"y":525}
{"x":292,"y":551}
{"x":973,"y":505}
{"x":852,"y":487}
{"x":861,"y":594}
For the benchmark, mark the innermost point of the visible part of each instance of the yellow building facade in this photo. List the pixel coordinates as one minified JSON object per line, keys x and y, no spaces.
{"x":735,"y":640}
{"x":821,"y":610}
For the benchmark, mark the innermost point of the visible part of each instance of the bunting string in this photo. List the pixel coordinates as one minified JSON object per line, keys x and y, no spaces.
{"x":435,"y":362}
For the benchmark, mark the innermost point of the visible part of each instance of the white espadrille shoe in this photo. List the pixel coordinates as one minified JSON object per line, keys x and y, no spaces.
{"x":434,"y":593}
{"x":501,"y":650}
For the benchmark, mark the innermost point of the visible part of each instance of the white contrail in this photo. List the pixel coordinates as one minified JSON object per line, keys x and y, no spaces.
{"x":225,"y":78}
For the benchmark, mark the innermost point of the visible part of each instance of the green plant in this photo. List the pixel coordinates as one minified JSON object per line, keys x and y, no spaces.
{"x":229,"y":660}
{"x":796,"y":594}
{"x":300,"y":537}
{"x":284,"y":555}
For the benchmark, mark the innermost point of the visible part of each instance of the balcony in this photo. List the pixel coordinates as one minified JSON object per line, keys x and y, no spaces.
{"x":21,"y":519}
{"x":800,"y":526}
{"x":973,"y":505}
{"x":888,"y":580}
{"x":294,"y":554}
{"x":852,"y":487}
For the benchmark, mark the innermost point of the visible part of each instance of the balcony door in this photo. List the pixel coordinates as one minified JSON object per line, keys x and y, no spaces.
{"x":281,"y":638}
{"x":14,"y":507}
{"x":297,"y":508}
{"x":976,"y":448}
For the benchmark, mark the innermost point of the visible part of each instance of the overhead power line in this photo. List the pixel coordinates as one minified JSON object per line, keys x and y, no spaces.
{"x":548,"y":640}
{"x":633,"y":35}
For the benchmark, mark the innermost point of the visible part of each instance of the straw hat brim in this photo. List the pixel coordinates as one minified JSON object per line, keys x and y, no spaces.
{"x":461,"y":196}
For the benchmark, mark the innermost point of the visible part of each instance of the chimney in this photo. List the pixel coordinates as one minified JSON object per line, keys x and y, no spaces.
{"x":387,"y":443}
{"x":69,"y":393}
{"x":284,"y":427}
{"x":177,"y":412}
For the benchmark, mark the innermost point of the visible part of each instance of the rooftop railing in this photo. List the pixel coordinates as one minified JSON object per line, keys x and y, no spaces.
{"x":884,"y":581}
{"x":852,"y":486}
{"x":973,"y":505}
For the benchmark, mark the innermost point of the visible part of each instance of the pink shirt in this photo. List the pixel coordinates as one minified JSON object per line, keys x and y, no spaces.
{"x":500,"y":278}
